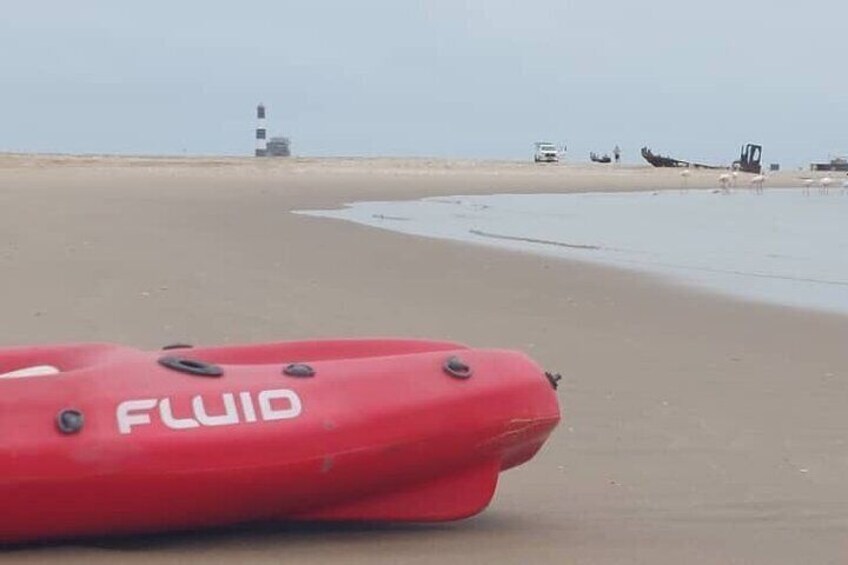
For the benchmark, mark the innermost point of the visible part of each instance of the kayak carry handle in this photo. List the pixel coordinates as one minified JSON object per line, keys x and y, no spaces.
{"x":191,"y":366}
{"x":299,"y":370}
{"x":457,"y":368}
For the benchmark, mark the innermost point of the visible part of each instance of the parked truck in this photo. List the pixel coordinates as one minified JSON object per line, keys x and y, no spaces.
{"x":546,"y":152}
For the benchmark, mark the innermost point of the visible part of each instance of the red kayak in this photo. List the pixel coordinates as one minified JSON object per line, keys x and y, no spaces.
{"x":102,"y":439}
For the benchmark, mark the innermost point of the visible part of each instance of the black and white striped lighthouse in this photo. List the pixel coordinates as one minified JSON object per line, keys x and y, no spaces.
{"x":261,"y":132}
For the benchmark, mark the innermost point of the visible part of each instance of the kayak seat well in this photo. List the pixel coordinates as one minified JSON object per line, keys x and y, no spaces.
{"x":32,"y":371}
{"x":43,"y":361}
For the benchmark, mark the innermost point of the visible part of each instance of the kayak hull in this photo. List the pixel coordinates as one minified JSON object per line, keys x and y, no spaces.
{"x":119,"y":441}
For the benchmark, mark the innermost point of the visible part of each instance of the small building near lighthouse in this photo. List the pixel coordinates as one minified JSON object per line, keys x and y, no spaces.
{"x":274,"y":147}
{"x":278,"y":147}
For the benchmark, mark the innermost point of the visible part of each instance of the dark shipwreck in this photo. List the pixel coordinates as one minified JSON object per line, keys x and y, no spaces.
{"x":749,"y":160}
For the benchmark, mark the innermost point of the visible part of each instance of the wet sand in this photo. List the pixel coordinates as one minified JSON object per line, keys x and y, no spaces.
{"x":697,"y":427}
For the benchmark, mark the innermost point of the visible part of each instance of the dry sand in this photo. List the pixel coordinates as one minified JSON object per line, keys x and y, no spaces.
{"x":697,"y":429}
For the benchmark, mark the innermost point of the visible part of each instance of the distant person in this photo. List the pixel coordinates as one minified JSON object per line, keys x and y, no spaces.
{"x":617,"y":153}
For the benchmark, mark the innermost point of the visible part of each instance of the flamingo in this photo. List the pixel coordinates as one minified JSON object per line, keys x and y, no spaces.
{"x":685,"y":174}
{"x":825,"y":184}
{"x":757,"y":183}
{"x":807,"y":184}
{"x":724,"y":181}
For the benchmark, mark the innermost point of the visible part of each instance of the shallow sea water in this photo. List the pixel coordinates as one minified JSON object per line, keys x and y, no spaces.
{"x":781,"y":246}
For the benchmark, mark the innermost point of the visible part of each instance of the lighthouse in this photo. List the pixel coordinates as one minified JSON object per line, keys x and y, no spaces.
{"x":261,"y":132}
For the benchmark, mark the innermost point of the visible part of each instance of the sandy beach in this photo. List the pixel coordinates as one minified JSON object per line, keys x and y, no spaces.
{"x":697,"y":428}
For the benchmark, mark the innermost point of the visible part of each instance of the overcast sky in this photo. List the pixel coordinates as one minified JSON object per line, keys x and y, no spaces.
{"x":470,"y":78}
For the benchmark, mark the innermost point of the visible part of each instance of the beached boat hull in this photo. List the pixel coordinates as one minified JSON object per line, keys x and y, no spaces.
{"x":122,"y":441}
{"x":749,"y":160}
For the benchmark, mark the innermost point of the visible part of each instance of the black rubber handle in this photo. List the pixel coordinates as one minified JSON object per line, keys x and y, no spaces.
{"x":191,"y":366}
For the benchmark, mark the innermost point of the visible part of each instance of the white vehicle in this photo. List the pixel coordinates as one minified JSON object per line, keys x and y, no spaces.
{"x":546,"y":153}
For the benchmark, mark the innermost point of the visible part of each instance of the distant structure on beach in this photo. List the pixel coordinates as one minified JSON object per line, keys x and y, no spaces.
{"x":836,"y":164}
{"x":277,"y":146}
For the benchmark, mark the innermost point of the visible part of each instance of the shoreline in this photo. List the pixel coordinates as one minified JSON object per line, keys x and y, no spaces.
{"x":695,"y":427}
{"x":725,"y":275}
